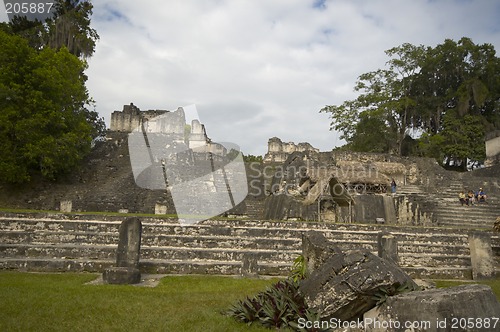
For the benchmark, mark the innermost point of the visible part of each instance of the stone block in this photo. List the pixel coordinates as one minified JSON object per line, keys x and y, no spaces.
{"x":481,"y":256}
{"x":250,"y":265}
{"x":388,"y":247}
{"x":462,"y":308}
{"x":160,"y":209}
{"x":344,"y":286}
{"x":316,"y":249}
{"x":66,"y":206}
{"x":129,"y":243}
{"x":121,"y":275}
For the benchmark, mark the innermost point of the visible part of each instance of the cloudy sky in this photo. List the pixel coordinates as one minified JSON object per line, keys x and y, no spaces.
{"x":262,"y":68}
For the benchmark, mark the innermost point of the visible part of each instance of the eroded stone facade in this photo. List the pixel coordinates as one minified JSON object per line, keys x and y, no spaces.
{"x":132,"y":119}
{"x":492,"y":148}
{"x":278,"y":151}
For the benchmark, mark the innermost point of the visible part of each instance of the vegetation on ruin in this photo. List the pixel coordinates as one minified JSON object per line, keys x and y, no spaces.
{"x":449,"y":95}
{"x":47,"y":125}
{"x":494,"y":284}
{"x":279,"y":306}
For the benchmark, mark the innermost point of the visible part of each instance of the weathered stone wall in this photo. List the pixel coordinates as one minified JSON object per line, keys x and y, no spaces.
{"x":492,"y":149}
{"x":131,"y":118}
{"x":403,"y":170}
{"x":278,"y":151}
{"x":72,"y":242}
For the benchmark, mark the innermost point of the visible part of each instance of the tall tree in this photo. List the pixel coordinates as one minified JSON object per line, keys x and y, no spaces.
{"x":45,"y":126}
{"x":423,"y":89}
{"x":68,"y":27}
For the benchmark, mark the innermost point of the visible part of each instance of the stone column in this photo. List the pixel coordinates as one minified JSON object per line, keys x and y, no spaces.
{"x":250,"y":265}
{"x":388,"y":247}
{"x":481,"y":256}
{"x":66,"y":206}
{"x":127,"y":254}
{"x":160,"y":209}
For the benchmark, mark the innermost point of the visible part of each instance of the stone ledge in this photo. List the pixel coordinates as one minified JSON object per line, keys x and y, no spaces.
{"x":121,"y":275}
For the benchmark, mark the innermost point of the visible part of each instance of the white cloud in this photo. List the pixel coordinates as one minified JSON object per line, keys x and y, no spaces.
{"x":4,"y":18}
{"x":258,"y":69}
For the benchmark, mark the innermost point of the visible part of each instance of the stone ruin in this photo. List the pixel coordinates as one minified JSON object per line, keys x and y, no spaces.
{"x":332,"y":186}
{"x":294,"y":182}
{"x":126,"y":270}
{"x":373,"y":294}
{"x":132,"y":119}
{"x":279,"y":151}
{"x":492,"y":148}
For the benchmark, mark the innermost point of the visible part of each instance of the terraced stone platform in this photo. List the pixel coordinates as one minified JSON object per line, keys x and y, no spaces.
{"x":58,"y":242}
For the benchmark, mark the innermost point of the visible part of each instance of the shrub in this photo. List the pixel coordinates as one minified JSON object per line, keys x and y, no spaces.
{"x":280,"y":305}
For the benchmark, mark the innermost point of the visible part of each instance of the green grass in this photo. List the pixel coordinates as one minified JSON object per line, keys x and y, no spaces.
{"x":92,"y":213}
{"x":63,"y":302}
{"x":494,"y":284}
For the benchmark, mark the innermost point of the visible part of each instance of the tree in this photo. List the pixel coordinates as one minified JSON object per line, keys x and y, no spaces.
{"x":45,"y":127}
{"x":463,"y":139}
{"x":371,"y":135}
{"x":385,"y":95}
{"x":69,"y":27}
{"x":435,"y":91}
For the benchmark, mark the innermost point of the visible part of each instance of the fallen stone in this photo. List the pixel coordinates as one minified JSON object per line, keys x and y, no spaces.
{"x":462,"y":308}
{"x":344,"y":286}
{"x":316,"y":249}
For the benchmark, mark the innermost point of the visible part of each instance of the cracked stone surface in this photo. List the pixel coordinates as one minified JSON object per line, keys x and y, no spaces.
{"x":344,"y":285}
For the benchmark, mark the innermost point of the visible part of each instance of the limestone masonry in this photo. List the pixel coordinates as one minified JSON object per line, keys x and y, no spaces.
{"x":345,"y":195}
{"x":132,"y":119}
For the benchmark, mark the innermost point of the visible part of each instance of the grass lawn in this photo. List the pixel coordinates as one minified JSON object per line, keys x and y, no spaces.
{"x":63,"y":302}
{"x":494,"y":284}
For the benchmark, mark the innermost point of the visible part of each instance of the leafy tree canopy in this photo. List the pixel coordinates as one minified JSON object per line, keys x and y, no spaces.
{"x":449,"y":93}
{"x":68,"y":27}
{"x":45,"y":127}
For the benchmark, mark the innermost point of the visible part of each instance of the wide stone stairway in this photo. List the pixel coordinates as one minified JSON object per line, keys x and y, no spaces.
{"x":58,"y":242}
{"x":447,"y":211}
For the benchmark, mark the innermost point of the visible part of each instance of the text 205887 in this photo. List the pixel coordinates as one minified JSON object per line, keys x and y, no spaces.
{"x":19,"y":8}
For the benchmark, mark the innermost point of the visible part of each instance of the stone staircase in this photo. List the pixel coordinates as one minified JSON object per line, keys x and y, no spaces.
{"x":57,"y":242}
{"x":447,"y":211}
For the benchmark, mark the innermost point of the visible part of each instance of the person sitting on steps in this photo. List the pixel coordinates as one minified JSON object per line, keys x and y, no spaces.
{"x":471,"y":197}
{"x":461,"y":198}
{"x":481,"y":196}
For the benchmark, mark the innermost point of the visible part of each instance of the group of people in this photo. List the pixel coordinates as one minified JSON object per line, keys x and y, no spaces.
{"x":472,"y":197}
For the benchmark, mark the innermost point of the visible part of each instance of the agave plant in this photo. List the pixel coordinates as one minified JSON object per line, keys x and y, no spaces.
{"x":279,"y":306}
{"x":383,"y":293}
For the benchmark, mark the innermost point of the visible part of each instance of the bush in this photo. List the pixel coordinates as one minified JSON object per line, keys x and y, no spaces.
{"x":279,"y":306}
